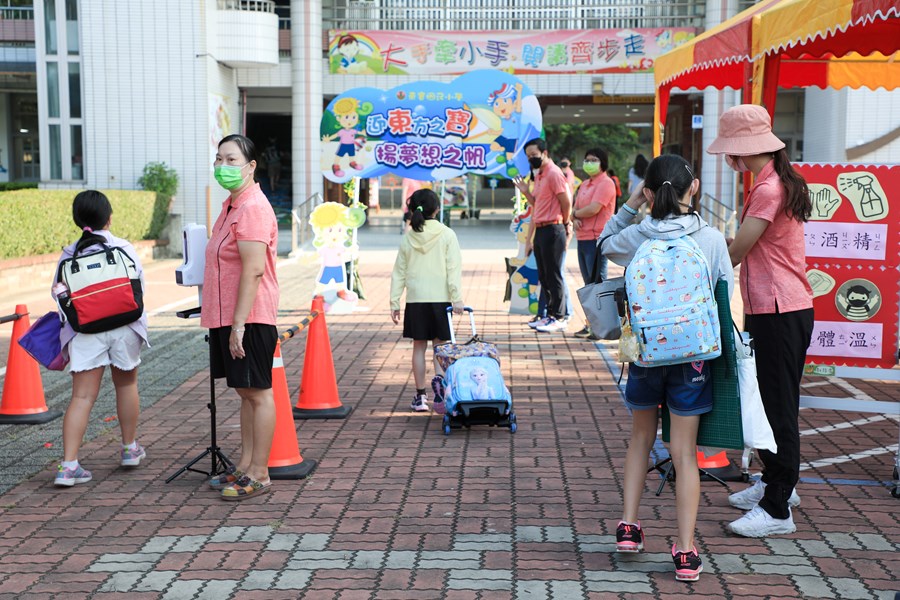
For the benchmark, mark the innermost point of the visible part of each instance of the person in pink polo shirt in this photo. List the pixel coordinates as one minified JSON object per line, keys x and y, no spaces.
{"x":778,"y":303}
{"x":594,"y":205}
{"x":551,"y":200}
{"x":239,"y":306}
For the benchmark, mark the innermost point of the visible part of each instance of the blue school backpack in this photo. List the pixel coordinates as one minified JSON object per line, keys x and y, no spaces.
{"x":671,"y":304}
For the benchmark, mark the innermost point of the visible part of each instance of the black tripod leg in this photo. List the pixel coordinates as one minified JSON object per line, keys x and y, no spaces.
{"x":188,"y":466}
{"x":667,"y":473}
{"x":713,"y":477}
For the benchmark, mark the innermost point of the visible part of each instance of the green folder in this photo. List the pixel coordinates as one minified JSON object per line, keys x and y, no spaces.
{"x":721,"y":427}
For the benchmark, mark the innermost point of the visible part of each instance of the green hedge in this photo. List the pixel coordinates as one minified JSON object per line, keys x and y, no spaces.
{"x":40,"y":221}
{"x":17,"y":185}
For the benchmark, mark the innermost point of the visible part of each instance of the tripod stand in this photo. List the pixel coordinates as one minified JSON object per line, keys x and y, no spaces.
{"x":219,"y":461}
{"x":668,"y":473}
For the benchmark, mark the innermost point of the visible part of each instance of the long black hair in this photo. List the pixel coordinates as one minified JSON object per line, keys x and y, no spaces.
{"x":422,"y":205}
{"x":640,"y":165}
{"x":797,"y":204}
{"x":91,"y":209}
{"x":669,"y":177}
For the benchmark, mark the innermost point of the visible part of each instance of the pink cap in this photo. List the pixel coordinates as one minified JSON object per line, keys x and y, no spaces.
{"x":745,"y":130}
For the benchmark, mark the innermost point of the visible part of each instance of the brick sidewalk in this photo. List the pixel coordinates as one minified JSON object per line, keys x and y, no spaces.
{"x":398,"y":510}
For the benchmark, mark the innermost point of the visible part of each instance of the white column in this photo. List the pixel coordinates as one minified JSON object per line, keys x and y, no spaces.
{"x":306,"y":92}
{"x":719,"y":180}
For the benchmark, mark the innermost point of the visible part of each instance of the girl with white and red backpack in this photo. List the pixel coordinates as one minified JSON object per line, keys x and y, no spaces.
{"x":89,"y":354}
{"x":683,"y":388}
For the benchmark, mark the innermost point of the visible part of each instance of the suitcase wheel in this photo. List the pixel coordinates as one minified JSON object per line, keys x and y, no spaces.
{"x":512,"y":422}
{"x":446,"y":424}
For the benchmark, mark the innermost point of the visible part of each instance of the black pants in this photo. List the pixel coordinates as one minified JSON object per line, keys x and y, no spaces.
{"x":781,"y":341}
{"x":549,"y":247}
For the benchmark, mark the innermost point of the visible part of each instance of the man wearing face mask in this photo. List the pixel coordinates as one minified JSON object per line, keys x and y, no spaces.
{"x":239,"y":306}
{"x":566,"y":166}
{"x":551,"y":201}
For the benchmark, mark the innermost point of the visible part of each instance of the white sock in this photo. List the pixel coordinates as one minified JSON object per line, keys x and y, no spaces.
{"x":70,"y":464}
{"x":132,"y":446}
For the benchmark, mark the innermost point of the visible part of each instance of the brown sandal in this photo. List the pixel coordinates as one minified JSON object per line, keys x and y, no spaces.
{"x":245,"y":487}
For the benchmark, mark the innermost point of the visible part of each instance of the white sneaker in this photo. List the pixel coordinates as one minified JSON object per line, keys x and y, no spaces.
{"x":534,"y":324}
{"x":750,"y":497}
{"x":419,"y":403}
{"x":553,"y":325}
{"x":758,"y":523}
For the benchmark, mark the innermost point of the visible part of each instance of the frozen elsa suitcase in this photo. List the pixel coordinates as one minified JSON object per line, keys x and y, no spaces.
{"x":474,"y":390}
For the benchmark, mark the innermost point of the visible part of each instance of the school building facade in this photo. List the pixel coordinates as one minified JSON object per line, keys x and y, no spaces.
{"x":93,"y":90}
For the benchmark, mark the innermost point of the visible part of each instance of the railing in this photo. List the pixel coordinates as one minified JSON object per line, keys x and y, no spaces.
{"x":267,"y":6}
{"x":719,"y":215}
{"x":454,"y":15}
{"x":301,"y":230}
{"x":15,"y":13}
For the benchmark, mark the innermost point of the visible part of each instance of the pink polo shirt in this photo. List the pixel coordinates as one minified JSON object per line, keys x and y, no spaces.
{"x":251,"y":219}
{"x":774,"y":270}
{"x":596,"y":190}
{"x":549,"y":182}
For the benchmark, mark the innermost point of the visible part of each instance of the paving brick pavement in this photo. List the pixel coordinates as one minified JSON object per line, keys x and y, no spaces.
{"x":397,"y":510}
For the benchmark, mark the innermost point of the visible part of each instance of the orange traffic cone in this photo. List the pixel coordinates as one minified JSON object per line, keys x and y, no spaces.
{"x":285,"y":461}
{"x":717,"y":466}
{"x":318,"y":386}
{"x":23,"y":392}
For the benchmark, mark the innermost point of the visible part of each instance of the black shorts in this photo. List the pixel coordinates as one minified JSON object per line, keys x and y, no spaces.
{"x":252,"y":371}
{"x":426,"y":321}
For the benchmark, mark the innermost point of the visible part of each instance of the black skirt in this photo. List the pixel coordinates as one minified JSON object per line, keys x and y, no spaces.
{"x":426,"y":321}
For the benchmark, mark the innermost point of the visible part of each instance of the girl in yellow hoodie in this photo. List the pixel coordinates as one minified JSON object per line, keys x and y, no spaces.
{"x":429,"y":267}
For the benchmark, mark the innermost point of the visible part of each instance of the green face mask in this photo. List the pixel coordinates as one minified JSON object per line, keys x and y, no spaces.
{"x":228,"y":176}
{"x":591,"y":168}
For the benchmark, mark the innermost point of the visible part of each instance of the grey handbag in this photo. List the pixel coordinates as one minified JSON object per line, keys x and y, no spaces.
{"x":603,"y":303}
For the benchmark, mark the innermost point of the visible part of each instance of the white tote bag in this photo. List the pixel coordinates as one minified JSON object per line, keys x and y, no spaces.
{"x":757,"y":431}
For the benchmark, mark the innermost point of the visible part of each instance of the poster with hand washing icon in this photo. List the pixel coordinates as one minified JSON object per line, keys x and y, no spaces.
{"x":852,"y":248}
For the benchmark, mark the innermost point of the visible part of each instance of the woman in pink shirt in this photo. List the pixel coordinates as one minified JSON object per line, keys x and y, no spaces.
{"x":239,"y":306}
{"x":778,"y":302}
{"x":594,"y":205}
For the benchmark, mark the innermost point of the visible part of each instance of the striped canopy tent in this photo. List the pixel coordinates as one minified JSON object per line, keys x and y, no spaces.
{"x":787,"y":43}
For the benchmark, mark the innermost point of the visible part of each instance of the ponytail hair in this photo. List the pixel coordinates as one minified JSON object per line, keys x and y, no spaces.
{"x":669,"y":177}
{"x":422,"y":205}
{"x":797,"y":204}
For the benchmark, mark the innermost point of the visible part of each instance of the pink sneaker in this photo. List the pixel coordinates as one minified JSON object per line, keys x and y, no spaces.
{"x":337,"y":170}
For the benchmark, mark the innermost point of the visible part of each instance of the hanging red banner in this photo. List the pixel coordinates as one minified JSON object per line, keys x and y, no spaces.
{"x":852,"y":259}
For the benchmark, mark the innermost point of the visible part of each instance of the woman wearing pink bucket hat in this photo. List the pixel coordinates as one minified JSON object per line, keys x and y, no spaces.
{"x":777,"y":297}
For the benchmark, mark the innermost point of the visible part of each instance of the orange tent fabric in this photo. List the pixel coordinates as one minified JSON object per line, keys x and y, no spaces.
{"x":787,"y":43}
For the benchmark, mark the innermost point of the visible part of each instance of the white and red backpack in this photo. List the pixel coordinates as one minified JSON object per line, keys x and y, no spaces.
{"x":104,"y":287}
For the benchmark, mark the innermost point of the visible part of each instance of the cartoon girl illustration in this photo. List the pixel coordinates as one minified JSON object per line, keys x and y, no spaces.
{"x":330,"y":222}
{"x":506,"y":102}
{"x":348,"y":48}
{"x":346,"y":111}
{"x":479,"y":388}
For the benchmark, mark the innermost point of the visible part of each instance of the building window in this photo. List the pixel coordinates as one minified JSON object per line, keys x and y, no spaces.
{"x":77,"y":153}
{"x":53,"y":90}
{"x":72,"y":26}
{"x":55,"y":153}
{"x":50,"y":25}
{"x":74,"y":90}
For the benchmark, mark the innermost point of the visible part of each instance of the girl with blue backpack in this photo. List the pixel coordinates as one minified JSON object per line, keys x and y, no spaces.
{"x":661,"y":377}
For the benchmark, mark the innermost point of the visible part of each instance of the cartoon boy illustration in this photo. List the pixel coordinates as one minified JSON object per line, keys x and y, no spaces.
{"x":860,"y":304}
{"x":330,"y":222}
{"x":348,"y":48}
{"x":347,"y":115}
{"x":506,"y":103}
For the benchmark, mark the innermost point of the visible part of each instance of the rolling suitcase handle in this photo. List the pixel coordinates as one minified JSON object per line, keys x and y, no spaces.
{"x":467,"y":309}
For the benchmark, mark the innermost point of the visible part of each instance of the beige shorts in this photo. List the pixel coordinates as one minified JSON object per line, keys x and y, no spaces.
{"x":119,"y":347}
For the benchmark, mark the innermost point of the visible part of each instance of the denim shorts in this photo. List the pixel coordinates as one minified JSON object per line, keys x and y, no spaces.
{"x":686,"y":389}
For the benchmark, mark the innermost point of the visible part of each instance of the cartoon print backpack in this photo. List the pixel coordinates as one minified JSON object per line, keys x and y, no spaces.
{"x":671,"y":304}
{"x":104,"y":289}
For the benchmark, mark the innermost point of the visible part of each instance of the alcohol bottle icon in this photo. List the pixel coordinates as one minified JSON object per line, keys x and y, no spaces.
{"x":871,"y":204}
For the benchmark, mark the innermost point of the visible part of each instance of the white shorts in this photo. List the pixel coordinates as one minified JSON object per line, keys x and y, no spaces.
{"x":119,"y":347}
